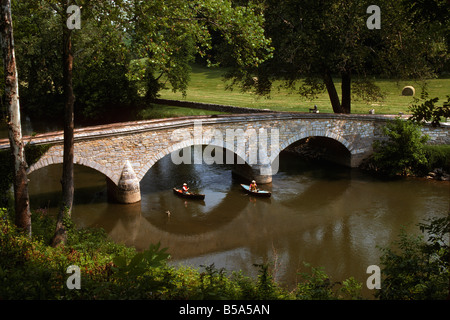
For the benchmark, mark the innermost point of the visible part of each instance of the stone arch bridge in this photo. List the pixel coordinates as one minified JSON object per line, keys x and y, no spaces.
{"x":124,"y":152}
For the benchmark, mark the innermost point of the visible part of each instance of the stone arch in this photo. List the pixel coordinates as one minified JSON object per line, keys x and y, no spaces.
{"x":312,"y":133}
{"x":47,"y":160}
{"x":184,"y":144}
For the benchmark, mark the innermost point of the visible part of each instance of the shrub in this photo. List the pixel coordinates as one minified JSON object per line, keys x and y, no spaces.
{"x":438,"y":156}
{"x":317,"y":285}
{"x":415,"y":269}
{"x":402,"y":153}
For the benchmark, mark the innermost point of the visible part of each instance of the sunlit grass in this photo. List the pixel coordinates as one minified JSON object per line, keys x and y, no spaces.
{"x":207,"y":85}
{"x":162,"y":111}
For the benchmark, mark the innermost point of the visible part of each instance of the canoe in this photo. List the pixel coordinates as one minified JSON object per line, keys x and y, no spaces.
{"x":258,"y":193}
{"x":189,"y":195}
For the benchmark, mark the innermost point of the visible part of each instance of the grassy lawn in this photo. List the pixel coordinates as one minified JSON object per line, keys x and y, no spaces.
{"x":155,"y":111}
{"x":206,"y":85}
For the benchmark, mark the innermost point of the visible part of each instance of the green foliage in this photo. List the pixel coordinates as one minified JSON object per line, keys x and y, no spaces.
{"x":318,"y":286}
{"x":415,"y":269}
{"x":125,"y":51}
{"x":335,"y":40}
{"x":153,"y":257}
{"x":266,"y":287}
{"x":438,"y":156}
{"x":213,"y":284}
{"x":403,"y":151}
{"x":37,"y":38}
{"x":428,"y":111}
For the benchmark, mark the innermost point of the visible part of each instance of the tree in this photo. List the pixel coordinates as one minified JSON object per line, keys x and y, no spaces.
{"x":167,"y":35}
{"x":434,"y":16}
{"x":136,"y":47}
{"x":101,"y":59}
{"x":38,"y":48}
{"x":20,"y":180}
{"x":67,"y":176}
{"x":318,"y":40}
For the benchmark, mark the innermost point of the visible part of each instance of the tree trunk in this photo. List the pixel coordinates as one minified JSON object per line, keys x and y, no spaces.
{"x":67,"y":176}
{"x":346,"y":92}
{"x":20,"y":179}
{"x":448,"y":226}
{"x":332,"y":93}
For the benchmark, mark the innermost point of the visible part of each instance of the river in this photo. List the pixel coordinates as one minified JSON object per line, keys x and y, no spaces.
{"x":325,"y":215}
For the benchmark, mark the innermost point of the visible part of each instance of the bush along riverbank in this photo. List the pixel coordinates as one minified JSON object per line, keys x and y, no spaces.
{"x":438,"y":158}
{"x":405,"y":153}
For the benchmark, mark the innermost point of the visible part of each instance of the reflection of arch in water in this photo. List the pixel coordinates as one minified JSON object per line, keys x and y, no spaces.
{"x":317,"y":195}
{"x":185,"y":219}
{"x":189,"y":216}
{"x":329,"y":182}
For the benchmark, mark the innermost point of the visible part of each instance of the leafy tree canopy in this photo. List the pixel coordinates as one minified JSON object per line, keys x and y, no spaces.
{"x":319,"y":40}
{"x":127,"y":49}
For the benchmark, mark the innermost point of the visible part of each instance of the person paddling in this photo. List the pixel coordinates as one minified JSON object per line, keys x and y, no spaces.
{"x":185,"y":188}
{"x":253,"y":186}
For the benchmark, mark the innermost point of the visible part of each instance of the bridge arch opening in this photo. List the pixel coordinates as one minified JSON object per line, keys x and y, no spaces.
{"x":204,"y":154}
{"x":47,"y":160}
{"x":322,"y":149}
{"x":186,"y":216}
{"x":45,"y":190}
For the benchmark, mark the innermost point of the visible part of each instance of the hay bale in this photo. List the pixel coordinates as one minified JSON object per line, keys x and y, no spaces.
{"x":408,"y":91}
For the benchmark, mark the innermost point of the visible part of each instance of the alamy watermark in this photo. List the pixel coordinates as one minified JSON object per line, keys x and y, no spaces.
{"x":373,"y":281}
{"x":373,"y":22}
{"x":251,"y":146}
{"x":74,"y":20}
{"x":74,"y":281}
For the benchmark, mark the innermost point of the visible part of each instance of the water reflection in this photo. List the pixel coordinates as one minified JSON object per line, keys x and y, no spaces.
{"x":325,"y":215}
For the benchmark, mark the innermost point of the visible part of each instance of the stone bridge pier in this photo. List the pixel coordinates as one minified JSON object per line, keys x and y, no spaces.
{"x":261,"y":173}
{"x":127,"y":190}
